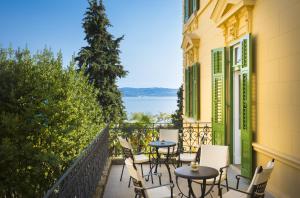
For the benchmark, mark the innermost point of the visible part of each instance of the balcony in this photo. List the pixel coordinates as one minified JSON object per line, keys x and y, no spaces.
{"x":96,"y":172}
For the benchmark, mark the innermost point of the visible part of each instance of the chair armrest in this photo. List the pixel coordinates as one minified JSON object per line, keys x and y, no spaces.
{"x":220,"y":191}
{"x":221,"y":170}
{"x":238,"y":177}
{"x":151,"y":187}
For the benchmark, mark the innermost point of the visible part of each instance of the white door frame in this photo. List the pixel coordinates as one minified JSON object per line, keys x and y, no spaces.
{"x":236,"y":119}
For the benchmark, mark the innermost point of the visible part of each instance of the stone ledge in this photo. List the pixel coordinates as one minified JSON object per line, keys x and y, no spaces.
{"x":103,"y":180}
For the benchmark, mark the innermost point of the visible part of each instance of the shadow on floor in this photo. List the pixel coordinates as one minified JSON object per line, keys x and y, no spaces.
{"x":116,"y":188}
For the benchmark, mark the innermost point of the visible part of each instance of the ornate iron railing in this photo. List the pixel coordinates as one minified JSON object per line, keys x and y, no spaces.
{"x":81,"y":179}
{"x":190,"y":135}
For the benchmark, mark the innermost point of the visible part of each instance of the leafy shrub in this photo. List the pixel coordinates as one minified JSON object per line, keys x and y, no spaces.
{"x":48,"y":115}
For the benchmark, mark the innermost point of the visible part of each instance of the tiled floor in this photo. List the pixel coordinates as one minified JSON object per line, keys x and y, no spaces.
{"x":116,"y":188}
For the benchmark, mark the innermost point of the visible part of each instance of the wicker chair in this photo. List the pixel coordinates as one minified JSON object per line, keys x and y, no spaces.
{"x":161,"y":191}
{"x":257,"y":187}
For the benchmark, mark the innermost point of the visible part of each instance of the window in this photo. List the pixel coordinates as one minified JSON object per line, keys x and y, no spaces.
{"x":190,"y":6}
{"x":192,"y":91}
{"x":237,"y":55}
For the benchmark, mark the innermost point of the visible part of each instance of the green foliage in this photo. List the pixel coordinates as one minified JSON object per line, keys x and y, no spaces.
{"x":140,"y":129}
{"x":141,"y":118}
{"x":101,"y":63}
{"x":48,"y":115}
{"x":177,"y":119}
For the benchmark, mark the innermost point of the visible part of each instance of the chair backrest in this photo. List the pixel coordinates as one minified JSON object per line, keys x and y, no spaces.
{"x":126,"y":147}
{"x":260,"y":179}
{"x":124,"y":143}
{"x":136,"y":177}
{"x":169,"y":135}
{"x":198,"y":148}
{"x":215,"y":156}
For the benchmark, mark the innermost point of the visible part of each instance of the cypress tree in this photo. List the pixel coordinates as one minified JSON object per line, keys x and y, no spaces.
{"x":177,"y":119}
{"x":101,"y":62}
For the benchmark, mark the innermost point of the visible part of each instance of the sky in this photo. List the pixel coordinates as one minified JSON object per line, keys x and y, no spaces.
{"x":150,"y":50}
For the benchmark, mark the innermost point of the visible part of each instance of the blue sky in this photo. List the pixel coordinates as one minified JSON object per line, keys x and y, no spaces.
{"x":152,"y":28}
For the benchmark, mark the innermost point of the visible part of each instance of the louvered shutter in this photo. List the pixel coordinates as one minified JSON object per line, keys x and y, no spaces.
{"x":245,"y":107}
{"x":218,"y":96}
{"x":195,"y":5}
{"x":191,"y":93}
{"x":187,"y":92}
{"x":186,"y":10}
{"x":196,"y":91}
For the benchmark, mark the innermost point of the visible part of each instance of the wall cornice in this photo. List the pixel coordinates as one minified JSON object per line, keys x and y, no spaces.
{"x":277,"y":155}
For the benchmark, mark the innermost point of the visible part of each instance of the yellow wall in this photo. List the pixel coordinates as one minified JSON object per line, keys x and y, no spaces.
{"x":210,"y":37}
{"x":276,"y":28}
{"x":276,"y":32}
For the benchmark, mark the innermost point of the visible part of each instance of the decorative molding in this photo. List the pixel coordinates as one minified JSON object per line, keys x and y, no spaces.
{"x":190,"y":46}
{"x":234,"y":17}
{"x":282,"y":157}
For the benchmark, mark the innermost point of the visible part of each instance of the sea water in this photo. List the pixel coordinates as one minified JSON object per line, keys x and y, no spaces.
{"x":149,"y":104}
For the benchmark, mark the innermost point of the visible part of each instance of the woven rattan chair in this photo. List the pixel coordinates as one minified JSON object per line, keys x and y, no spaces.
{"x":162,"y":191}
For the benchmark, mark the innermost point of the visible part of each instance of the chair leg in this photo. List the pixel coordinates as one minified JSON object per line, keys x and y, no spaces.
{"x":129,"y":182}
{"x":142,"y":170}
{"x":226,"y":180}
{"x":122,"y":172}
{"x":159,"y":178}
{"x":151,"y":173}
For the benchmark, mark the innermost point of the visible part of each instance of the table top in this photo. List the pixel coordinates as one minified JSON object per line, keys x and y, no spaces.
{"x":204,"y":172}
{"x":162,"y":144}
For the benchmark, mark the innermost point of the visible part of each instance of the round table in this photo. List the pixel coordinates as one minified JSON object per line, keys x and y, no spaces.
{"x":162,"y":144}
{"x":203,"y":173}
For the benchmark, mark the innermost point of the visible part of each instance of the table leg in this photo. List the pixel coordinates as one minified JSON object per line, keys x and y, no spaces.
{"x":203,"y":188}
{"x":157,"y":159}
{"x":191,"y":192}
{"x":167,"y":165}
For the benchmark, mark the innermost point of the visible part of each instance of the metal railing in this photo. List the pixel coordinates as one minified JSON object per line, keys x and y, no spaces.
{"x":190,"y":135}
{"x":81,"y":179}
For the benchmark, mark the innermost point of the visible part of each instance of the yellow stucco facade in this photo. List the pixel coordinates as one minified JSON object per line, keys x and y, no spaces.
{"x":274,"y":26}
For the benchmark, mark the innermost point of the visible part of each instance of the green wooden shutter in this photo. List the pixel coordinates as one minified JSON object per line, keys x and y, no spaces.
{"x":190,"y":7}
{"x":186,"y":10}
{"x":196,"y":91}
{"x":195,"y":5}
{"x":198,"y":4}
{"x":245,"y":107}
{"x":191,"y":77}
{"x":218,"y":96}
{"x":187,"y":92}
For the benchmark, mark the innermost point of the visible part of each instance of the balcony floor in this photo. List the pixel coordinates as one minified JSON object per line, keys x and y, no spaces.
{"x":115,"y":188}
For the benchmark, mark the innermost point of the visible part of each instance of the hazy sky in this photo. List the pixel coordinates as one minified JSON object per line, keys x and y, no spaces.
{"x":152,"y":28}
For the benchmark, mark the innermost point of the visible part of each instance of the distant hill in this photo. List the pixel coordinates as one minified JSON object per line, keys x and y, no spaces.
{"x":152,"y":91}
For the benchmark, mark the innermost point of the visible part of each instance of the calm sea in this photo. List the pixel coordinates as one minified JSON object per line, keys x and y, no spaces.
{"x":152,"y":105}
